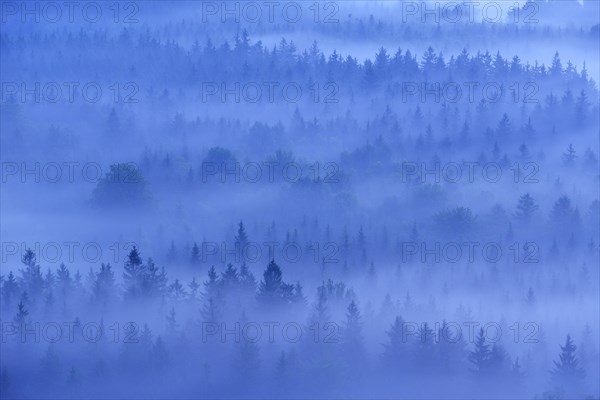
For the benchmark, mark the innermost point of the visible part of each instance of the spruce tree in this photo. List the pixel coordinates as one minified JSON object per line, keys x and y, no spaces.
{"x":352,"y":340}
{"x":195,"y":258}
{"x":172,"y":325}
{"x":567,"y":374}
{"x":525,"y":208}
{"x":395,"y":350}
{"x":480,"y":357}
{"x":31,"y":277}
{"x":241,"y":241}
{"x":273,"y":291}
{"x":134,"y":274}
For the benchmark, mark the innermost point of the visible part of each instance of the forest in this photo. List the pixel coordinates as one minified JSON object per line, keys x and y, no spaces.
{"x":300,"y":200}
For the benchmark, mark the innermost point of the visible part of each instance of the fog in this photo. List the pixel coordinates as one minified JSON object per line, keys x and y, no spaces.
{"x":300,"y":200}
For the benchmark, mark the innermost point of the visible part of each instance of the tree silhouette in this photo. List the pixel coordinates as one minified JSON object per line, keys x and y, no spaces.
{"x":567,"y":374}
{"x":134,"y":274}
{"x":569,"y":157}
{"x":395,"y":354}
{"x":241,"y":241}
{"x":273,"y":291}
{"x":525,"y":208}
{"x":479,"y":357}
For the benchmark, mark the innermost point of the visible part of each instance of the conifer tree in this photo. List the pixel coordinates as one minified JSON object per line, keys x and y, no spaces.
{"x":567,"y":374}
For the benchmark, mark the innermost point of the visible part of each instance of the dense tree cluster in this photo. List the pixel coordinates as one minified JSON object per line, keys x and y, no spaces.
{"x":235,"y":297}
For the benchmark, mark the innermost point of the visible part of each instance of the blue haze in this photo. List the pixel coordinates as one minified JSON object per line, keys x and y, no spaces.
{"x":300,"y":200}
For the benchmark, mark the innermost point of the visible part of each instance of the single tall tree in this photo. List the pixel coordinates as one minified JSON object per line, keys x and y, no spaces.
{"x":525,"y":208}
{"x":567,"y":374}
